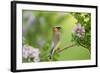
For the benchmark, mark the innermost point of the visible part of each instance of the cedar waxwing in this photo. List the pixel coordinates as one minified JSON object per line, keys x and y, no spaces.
{"x":55,"y":39}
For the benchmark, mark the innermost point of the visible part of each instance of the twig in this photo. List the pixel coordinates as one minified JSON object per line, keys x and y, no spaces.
{"x":69,"y":46}
{"x":85,"y":47}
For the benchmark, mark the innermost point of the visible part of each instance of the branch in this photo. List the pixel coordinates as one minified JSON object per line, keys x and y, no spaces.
{"x":85,"y":47}
{"x":69,"y":46}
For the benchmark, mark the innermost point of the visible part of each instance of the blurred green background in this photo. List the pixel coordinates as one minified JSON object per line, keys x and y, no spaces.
{"x":37,"y":32}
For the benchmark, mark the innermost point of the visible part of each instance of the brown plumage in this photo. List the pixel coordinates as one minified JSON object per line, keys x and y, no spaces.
{"x":55,"y":38}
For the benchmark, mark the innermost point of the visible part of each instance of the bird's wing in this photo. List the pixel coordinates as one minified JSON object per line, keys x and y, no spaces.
{"x":56,"y":47}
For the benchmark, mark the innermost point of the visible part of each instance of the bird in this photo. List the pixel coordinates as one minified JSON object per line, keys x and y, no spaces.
{"x":55,"y":39}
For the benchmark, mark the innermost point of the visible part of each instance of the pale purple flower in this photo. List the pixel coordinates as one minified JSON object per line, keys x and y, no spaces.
{"x":28,"y":20}
{"x":25,"y":51}
{"x":36,"y":59}
{"x":23,"y":29}
{"x":29,"y":16}
{"x":30,"y":52}
{"x":79,"y":30}
{"x":34,"y":53}
{"x":31,"y":19}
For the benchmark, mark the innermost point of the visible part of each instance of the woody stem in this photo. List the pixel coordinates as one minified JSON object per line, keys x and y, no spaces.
{"x":69,"y":46}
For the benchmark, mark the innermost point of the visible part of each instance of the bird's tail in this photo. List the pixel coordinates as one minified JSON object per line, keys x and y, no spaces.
{"x":50,"y":54}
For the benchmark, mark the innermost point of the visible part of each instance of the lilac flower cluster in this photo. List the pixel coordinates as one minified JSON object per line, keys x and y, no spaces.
{"x":79,"y":30}
{"x":30,"y":52}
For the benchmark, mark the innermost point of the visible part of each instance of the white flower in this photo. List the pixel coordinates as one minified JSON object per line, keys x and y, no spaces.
{"x":36,"y":59}
{"x":25,"y":51}
{"x":79,"y":30}
{"x":30,"y":52}
{"x":34,"y":53}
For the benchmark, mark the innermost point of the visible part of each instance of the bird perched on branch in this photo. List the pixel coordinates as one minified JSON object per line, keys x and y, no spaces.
{"x":55,"y":39}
